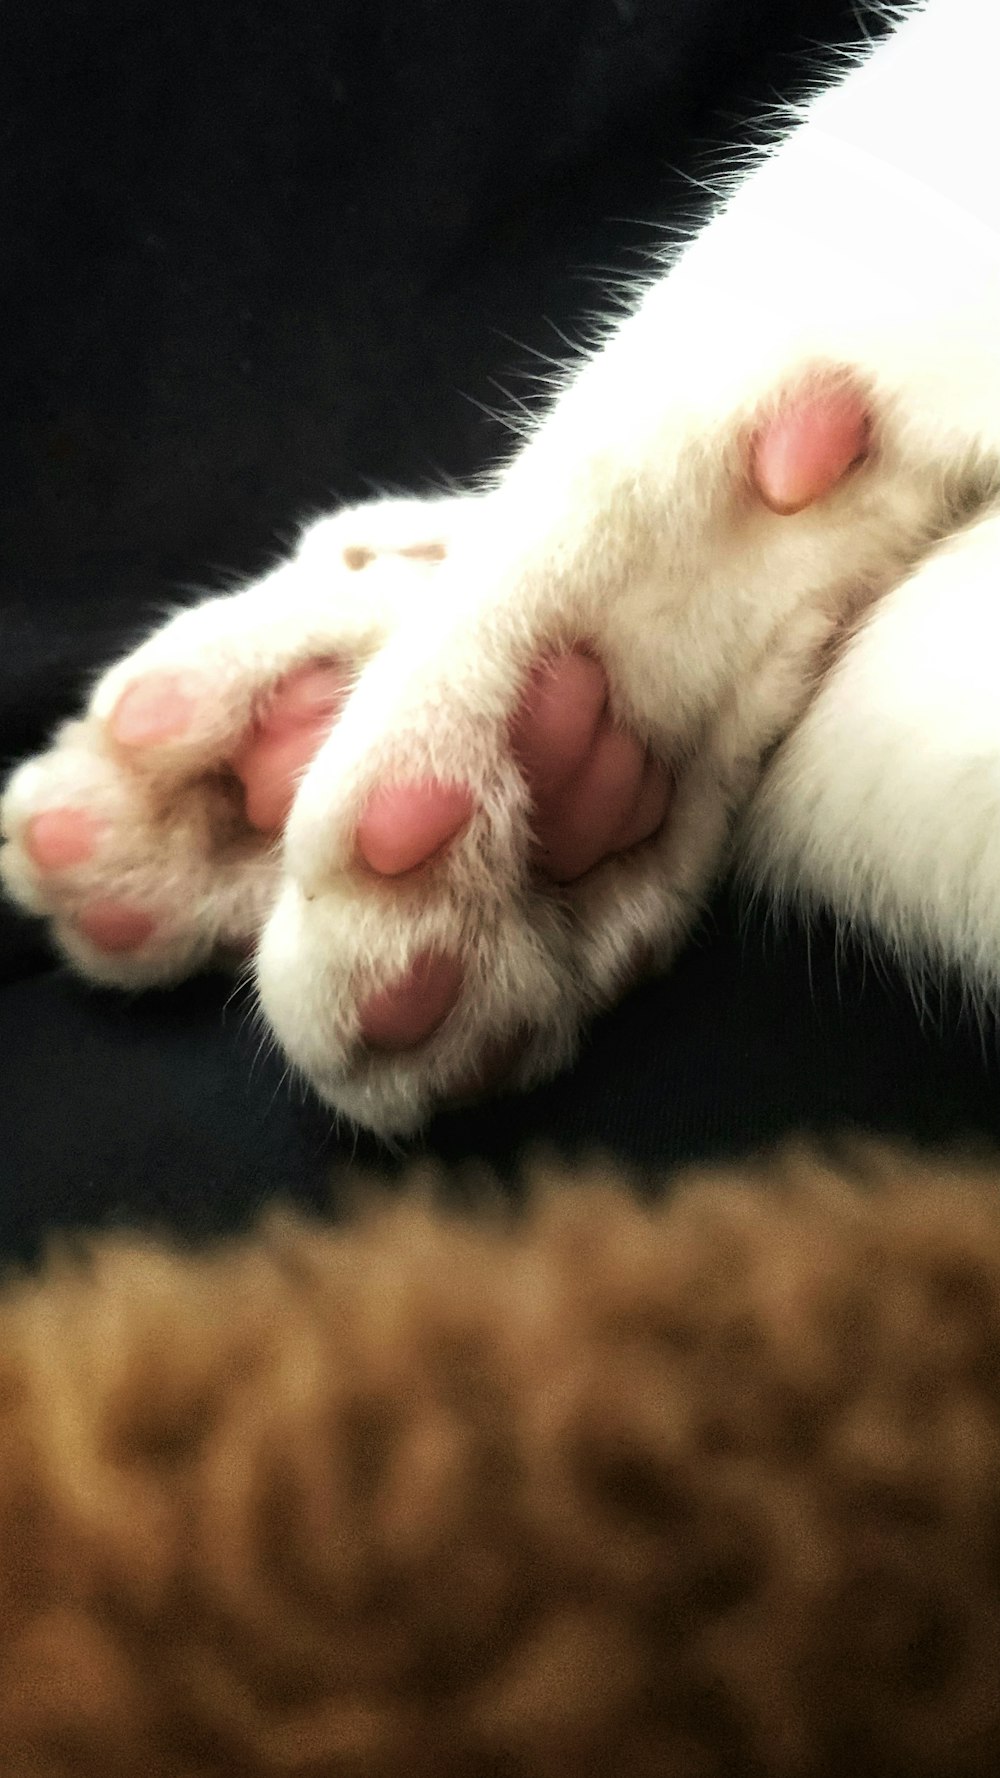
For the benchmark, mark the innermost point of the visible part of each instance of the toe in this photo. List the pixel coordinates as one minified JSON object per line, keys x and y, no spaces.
{"x":57,"y":839}
{"x":803,"y":453}
{"x":271,"y":760}
{"x":115,"y":926}
{"x":558,"y":719}
{"x":270,"y":769}
{"x":411,"y":1009}
{"x":157,"y":708}
{"x":403,"y":825}
{"x":581,"y":826}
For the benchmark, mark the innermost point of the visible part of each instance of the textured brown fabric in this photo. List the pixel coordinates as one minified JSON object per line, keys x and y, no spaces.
{"x":705,"y":1489}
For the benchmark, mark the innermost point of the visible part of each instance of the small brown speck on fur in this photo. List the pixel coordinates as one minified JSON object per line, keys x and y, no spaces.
{"x":357,"y":557}
{"x":710,"y":1490}
{"x":425,"y":552}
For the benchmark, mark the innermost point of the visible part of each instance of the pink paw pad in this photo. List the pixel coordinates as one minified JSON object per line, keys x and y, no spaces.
{"x":558,"y":719}
{"x":403,"y":825}
{"x":58,"y":839}
{"x":157,"y":708}
{"x":805,"y":450}
{"x":273,"y":755}
{"x":114,"y":926}
{"x":412,"y":1008}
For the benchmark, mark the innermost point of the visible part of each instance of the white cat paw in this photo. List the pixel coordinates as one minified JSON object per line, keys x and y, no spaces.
{"x":480,"y":856}
{"x":146,"y":833}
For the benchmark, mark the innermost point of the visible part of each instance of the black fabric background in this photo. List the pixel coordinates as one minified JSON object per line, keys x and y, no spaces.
{"x":259,"y":258}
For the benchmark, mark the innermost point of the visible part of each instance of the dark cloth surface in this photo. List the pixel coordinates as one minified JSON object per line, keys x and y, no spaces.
{"x":260,"y":259}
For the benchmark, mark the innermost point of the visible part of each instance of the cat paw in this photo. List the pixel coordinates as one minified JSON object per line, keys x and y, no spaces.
{"x":485,"y":851}
{"x":461,"y":928}
{"x":145,"y":834}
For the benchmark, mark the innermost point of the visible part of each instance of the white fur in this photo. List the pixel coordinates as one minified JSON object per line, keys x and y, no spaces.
{"x":865,"y":244}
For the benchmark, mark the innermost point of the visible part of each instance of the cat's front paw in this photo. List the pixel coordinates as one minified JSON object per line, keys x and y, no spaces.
{"x":470,"y":869}
{"x":145,"y":834}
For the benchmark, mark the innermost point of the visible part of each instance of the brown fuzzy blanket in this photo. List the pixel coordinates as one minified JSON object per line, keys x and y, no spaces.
{"x":710,"y":1490}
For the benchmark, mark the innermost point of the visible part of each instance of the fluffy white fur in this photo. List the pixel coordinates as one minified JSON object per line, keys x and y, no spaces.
{"x":864,"y":244}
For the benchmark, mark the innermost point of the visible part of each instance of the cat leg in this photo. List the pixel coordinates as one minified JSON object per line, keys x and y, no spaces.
{"x":884,"y":803}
